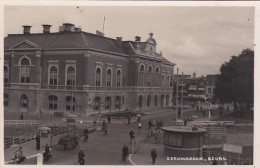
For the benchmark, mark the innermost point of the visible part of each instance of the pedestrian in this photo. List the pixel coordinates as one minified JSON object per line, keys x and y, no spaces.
{"x":228,"y":108}
{"x":153,"y":155}
{"x":109,"y":119}
{"x":86,"y":134}
{"x":81,"y":156}
{"x":150,"y":124}
{"x":139,"y":127}
{"x":38,"y":142}
{"x":132,"y":135}
{"x":214,"y":162}
{"x":221,"y":113}
{"x":139,"y":117}
{"x":124,"y":152}
{"x":21,"y":116}
{"x":185,"y":121}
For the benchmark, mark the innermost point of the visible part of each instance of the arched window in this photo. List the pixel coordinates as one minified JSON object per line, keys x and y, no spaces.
{"x":24,"y":101}
{"x":141,"y":74}
{"x":109,"y":77}
{"x":118,"y":102}
{"x":149,"y":79}
{"x":98,"y":77}
{"x":118,"y":78}
{"x":107,"y":103}
{"x":155,"y":100}
{"x":5,"y":99}
{"x":162,"y":100}
{"x":148,"y":100}
{"x":157,"y":75}
{"x":168,"y":80}
{"x":25,"y":70}
{"x":6,"y":74}
{"x":167,"y":100}
{"x":97,"y":103}
{"x":70,"y":103}
{"x":53,"y":102}
{"x":53,"y":76}
{"x":140,"y":100}
{"x":71,"y":76}
{"x":163,"y":81}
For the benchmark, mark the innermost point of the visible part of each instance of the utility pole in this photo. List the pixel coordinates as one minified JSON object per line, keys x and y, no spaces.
{"x":181,"y":93}
{"x":176,"y":107}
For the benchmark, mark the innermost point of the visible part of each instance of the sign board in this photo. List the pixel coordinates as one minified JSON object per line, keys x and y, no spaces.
{"x":232,"y":148}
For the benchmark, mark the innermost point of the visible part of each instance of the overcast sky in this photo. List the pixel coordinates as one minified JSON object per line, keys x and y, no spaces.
{"x":196,"y":39}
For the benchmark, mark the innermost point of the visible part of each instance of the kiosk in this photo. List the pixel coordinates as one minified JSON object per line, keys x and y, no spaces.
{"x":183,"y":141}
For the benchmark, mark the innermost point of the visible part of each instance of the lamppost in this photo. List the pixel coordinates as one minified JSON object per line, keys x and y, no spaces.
{"x":176,"y":107}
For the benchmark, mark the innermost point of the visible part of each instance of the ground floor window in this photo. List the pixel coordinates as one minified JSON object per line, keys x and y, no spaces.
{"x":24,"y":101}
{"x":70,"y":103}
{"x":53,"y":102}
{"x":5,"y":99}
{"x":162,"y":100}
{"x":140,"y":100}
{"x":118,"y":102}
{"x":167,"y":100}
{"x":97,"y":102}
{"x":148,"y":100}
{"x":108,"y":103}
{"x":155,"y":100}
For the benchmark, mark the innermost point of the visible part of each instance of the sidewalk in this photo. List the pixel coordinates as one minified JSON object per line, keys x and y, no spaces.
{"x":143,"y":157}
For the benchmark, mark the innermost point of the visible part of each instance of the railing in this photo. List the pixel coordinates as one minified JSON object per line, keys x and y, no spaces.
{"x":20,"y":122}
{"x":206,"y":123}
{"x":13,"y":141}
{"x":86,"y":87}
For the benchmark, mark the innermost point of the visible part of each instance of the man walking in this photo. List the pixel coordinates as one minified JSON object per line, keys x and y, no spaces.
{"x":153,"y":154}
{"x":132,"y":135}
{"x":81,"y":156}
{"x":124,"y":152}
{"x":21,"y":116}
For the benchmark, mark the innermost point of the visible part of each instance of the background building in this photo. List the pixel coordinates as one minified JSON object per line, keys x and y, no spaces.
{"x":85,"y":73}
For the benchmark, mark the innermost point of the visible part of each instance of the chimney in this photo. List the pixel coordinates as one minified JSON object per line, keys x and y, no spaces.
{"x":26,"y":29}
{"x":119,"y":41}
{"x":68,"y":27}
{"x":137,"y":39}
{"x":46,"y":28}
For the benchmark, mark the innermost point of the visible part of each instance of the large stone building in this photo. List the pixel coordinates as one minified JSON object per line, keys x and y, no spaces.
{"x":84,"y":73}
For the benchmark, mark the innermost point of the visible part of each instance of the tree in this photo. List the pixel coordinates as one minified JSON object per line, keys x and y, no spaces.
{"x":236,"y":80}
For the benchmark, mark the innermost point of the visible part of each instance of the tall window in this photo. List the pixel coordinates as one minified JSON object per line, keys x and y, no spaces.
{"x":5,"y":99}
{"x":118,"y":102}
{"x":6,"y":74}
{"x":71,"y":76}
{"x":97,"y":103}
{"x":155,"y":100}
{"x":168,"y":80}
{"x":118,"y":78}
{"x":107,"y":103}
{"x":157,"y":75}
{"x":140,"y":101}
{"x":98,"y":77}
{"x":141,"y":74}
{"x":24,"y":101}
{"x":70,"y":103}
{"x":167,"y":100}
{"x":149,"y":80}
{"x":54,"y":76}
{"x":148,"y":100}
{"x":109,"y":77}
{"x":162,"y":100}
{"x":25,"y":71}
{"x":163,"y":81}
{"x":53,"y":102}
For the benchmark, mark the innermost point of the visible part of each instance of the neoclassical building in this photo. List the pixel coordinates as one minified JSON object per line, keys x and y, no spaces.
{"x":84,"y":73}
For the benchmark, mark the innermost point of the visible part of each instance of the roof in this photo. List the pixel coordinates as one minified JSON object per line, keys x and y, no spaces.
{"x":81,"y":40}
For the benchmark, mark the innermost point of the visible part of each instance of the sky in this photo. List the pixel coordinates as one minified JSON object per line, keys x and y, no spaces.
{"x":196,"y":39}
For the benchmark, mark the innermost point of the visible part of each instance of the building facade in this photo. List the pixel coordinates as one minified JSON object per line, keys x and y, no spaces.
{"x":84,"y":73}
